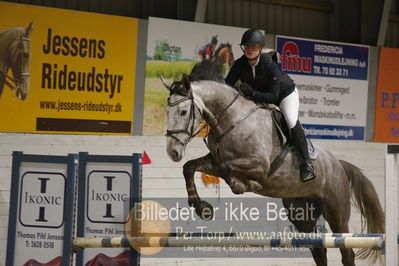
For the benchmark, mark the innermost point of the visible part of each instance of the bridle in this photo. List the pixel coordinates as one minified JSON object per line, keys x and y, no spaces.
{"x":187,"y":130}
{"x":14,"y":83}
{"x":214,"y":120}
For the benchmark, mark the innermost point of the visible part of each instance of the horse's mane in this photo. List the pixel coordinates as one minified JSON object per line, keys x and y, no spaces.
{"x":207,"y":70}
{"x":14,"y":29}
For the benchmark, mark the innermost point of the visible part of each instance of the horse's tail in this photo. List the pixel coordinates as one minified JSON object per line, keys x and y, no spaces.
{"x":365,"y":198}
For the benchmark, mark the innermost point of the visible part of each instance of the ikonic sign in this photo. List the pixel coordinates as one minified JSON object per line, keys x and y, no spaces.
{"x":104,"y":204}
{"x":332,"y":79}
{"x":42,"y":199}
{"x":41,"y":213}
{"x":108,"y":191}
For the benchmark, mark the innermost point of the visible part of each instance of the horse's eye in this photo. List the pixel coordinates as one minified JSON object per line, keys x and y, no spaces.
{"x":183,"y":112}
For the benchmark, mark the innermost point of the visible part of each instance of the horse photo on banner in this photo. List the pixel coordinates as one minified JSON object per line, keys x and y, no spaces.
{"x":173,"y":48}
{"x":15,"y":56}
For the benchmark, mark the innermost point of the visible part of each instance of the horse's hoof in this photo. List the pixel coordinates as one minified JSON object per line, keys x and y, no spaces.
{"x":204,"y":210}
{"x":237,"y":187}
{"x":253,"y":186}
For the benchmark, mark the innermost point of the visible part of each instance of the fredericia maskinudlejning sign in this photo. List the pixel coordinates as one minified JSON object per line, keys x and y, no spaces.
{"x":69,"y":77}
{"x":332,"y":82}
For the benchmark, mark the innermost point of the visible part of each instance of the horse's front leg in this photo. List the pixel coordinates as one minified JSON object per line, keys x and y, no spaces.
{"x":244,"y":174}
{"x":204,"y":164}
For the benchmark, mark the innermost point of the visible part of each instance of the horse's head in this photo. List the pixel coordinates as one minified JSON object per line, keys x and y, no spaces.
{"x":19,"y":61}
{"x":224,"y":53}
{"x":184,"y":117}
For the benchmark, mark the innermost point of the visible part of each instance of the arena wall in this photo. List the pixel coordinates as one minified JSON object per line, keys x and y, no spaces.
{"x":163,"y":178}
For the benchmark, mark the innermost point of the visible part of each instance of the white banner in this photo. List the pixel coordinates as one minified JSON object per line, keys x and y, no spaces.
{"x":332,"y":79}
{"x":108,"y":188}
{"x":173,"y":48}
{"x":40,"y":224}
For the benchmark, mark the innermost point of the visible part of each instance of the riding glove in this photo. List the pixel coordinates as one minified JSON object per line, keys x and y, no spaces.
{"x":247,"y":90}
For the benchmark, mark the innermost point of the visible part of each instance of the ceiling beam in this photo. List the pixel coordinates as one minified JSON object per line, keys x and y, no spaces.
{"x":308,"y":4}
{"x":200,"y":11}
{"x":384,"y":23}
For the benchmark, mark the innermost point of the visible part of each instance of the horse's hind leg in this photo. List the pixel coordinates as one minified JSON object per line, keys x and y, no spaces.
{"x":308,"y":226}
{"x":337,"y":214}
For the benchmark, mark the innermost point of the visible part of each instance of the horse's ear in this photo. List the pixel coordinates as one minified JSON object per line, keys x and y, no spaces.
{"x":166,"y":83}
{"x":186,"y":83}
{"x":28,"y":29}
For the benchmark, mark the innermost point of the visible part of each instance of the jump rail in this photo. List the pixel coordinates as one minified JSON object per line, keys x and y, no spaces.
{"x":374,"y":241}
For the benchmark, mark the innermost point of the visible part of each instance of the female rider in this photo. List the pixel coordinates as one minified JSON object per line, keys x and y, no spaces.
{"x":263,"y":81}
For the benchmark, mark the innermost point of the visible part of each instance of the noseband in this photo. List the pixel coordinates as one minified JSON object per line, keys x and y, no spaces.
{"x":13,"y":83}
{"x":187,"y":130}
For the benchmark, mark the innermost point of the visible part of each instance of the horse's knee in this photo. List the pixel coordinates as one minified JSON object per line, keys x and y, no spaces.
{"x":225,"y":169}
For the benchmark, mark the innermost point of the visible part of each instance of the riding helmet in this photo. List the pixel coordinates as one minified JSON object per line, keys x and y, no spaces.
{"x":253,"y":37}
{"x":214,"y":39}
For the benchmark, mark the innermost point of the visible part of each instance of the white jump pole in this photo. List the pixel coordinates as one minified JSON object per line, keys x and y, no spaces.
{"x":391,"y":204}
{"x":153,"y":241}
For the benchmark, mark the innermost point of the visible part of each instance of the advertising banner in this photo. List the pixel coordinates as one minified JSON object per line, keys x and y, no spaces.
{"x":173,"y":48}
{"x":108,"y":186}
{"x":108,"y":192}
{"x":386,"y":127}
{"x":332,"y":79}
{"x":66,"y":71}
{"x":41,"y":212}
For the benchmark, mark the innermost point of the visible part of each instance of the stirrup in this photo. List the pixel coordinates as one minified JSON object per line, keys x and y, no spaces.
{"x":306,"y":172}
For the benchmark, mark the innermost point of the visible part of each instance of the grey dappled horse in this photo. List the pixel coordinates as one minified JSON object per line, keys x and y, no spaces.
{"x":243,"y":142}
{"x":15,"y":54}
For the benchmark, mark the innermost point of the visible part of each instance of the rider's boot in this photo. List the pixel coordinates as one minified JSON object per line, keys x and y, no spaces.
{"x":299,"y":140}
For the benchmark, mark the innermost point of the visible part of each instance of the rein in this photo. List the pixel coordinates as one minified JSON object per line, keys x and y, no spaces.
{"x":217,"y":117}
{"x":218,"y":138}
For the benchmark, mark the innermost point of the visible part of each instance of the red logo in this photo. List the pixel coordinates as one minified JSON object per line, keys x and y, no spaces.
{"x":291,"y":61}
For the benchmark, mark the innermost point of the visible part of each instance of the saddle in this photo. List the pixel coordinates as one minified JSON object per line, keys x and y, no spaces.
{"x":284,"y":136}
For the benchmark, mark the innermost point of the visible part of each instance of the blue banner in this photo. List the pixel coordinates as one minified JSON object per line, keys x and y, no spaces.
{"x":323,"y":59}
{"x":334,"y":132}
